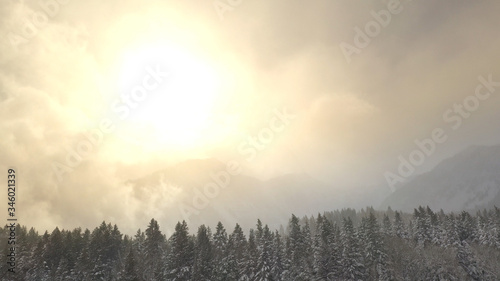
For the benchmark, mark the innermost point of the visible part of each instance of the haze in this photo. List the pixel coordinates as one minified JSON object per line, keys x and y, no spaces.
{"x":266,"y":84}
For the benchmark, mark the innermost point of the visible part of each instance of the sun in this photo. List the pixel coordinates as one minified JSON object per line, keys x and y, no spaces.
{"x":178,"y":113}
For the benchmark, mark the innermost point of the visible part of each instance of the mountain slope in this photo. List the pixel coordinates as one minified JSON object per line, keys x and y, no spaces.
{"x":467,"y":181}
{"x":187,"y":191}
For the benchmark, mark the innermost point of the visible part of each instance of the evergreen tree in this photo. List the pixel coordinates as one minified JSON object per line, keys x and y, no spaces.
{"x":265,"y":262}
{"x":202,"y":269}
{"x":100,"y":270}
{"x":277,"y":267}
{"x":53,"y":252}
{"x":39,"y":269}
{"x":452,"y":237}
{"x":237,"y":246}
{"x":181,"y":257}
{"x":130,"y":271}
{"x":83,"y":263}
{"x":399,"y":226}
{"x":259,"y":232}
{"x":221,"y":262}
{"x":299,"y":255}
{"x":153,"y":251}
{"x":104,"y":250}
{"x":139,"y":249}
{"x":250,"y":258}
{"x":352,"y":261}
{"x":465,"y":227}
{"x":376,"y":257}
{"x":468,"y":262}
{"x":326,"y":250}
{"x":63,"y":271}
{"x":422,"y":227}
{"x":387,"y":225}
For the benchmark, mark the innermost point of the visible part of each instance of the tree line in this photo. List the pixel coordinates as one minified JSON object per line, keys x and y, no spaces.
{"x":340,"y":245}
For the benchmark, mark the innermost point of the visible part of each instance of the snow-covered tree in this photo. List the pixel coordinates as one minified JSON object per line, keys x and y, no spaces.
{"x":181,"y":257}
{"x":326,"y":250}
{"x":153,"y":250}
{"x":265,"y":261}
{"x":203,"y":255}
{"x":352,"y":260}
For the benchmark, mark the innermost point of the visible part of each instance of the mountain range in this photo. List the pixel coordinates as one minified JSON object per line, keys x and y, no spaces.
{"x":469,"y":180}
{"x":195,"y":190}
{"x":202,"y":191}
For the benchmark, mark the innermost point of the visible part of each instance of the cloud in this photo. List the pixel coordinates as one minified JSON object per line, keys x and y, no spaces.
{"x":352,"y":119}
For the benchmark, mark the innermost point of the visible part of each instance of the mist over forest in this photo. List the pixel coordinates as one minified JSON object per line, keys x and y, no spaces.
{"x":373,"y":122}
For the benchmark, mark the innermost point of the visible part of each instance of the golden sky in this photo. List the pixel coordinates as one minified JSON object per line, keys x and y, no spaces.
{"x":178,"y":80}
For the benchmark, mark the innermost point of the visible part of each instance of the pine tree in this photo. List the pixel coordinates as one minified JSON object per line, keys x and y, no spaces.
{"x":387,"y":225}
{"x":465,"y":227}
{"x":101,"y":270}
{"x":452,"y":237}
{"x":181,"y":257}
{"x":153,"y":251}
{"x":250,"y":260}
{"x":468,"y":262}
{"x":352,"y":261}
{"x":23,"y":250}
{"x":130,"y":271}
{"x":63,"y":271}
{"x":39,"y":270}
{"x":496,"y":224}
{"x":307,"y":254}
{"x":376,"y":257}
{"x":202,"y":268}
{"x":399,"y":226}
{"x":277,"y":267}
{"x":432,"y":222}
{"x":83,"y":263}
{"x":326,"y":251}
{"x":264,"y":263}
{"x":221,"y":270}
{"x":104,"y":247}
{"x":299,"y":266}
{"x":236,"y":249}
{"x":53,"y":251}
{"x":75,"y":244}
{"x":422,"y":227}
{"x":139,"y":248}
{"x":259,"y":232}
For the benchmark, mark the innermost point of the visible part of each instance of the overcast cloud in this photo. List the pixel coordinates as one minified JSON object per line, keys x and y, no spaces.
{"x":352,"y":121}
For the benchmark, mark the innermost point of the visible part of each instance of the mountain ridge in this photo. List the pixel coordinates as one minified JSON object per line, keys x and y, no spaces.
{"x":469,"y":180}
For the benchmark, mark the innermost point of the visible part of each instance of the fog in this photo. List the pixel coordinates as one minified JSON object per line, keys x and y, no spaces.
{"x":269,"y":85}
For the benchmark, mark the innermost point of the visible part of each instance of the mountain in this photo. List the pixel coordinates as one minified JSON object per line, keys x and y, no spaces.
{"x":202,"y":191}
{"x":467,"y":181}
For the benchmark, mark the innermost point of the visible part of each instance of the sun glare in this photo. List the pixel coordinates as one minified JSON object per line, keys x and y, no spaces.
{"x":179,"y":112}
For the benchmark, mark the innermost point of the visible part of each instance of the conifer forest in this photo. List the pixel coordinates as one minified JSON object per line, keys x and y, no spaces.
{"x":340,"y":245}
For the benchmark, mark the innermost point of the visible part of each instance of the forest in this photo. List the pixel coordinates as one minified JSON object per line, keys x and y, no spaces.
{"x":340,"y":245}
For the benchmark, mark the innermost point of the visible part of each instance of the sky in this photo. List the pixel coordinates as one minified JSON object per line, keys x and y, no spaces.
{"x":95,"y":93}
